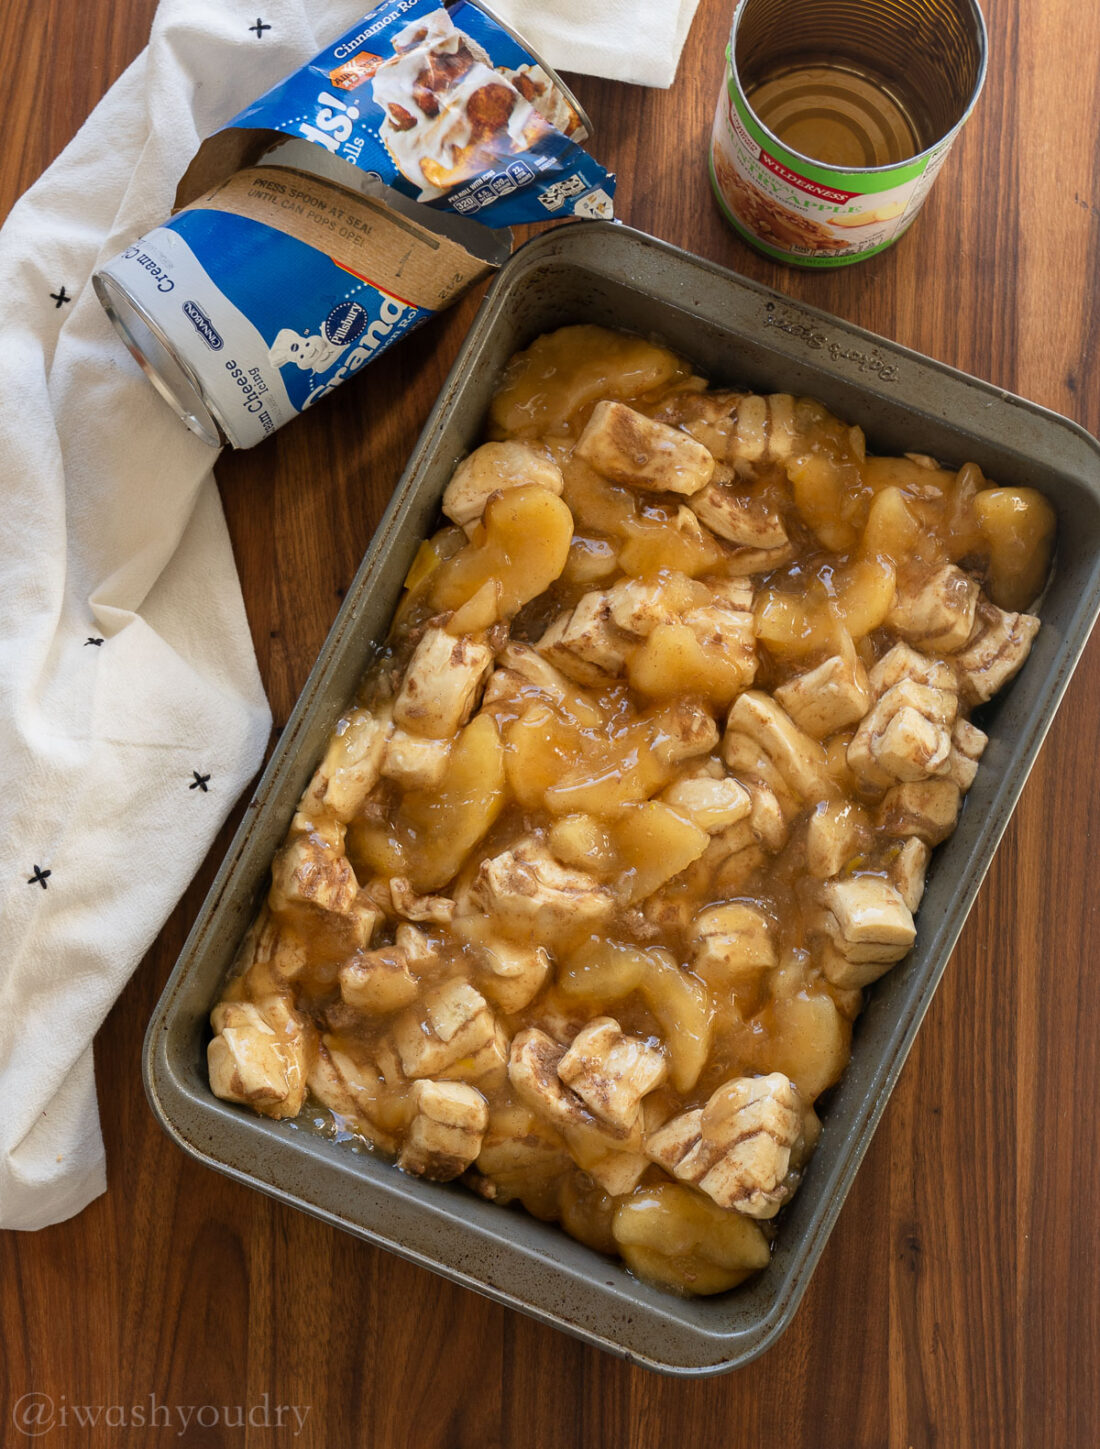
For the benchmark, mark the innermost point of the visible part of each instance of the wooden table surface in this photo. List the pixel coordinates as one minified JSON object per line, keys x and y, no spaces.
{"x":958,"y":1301}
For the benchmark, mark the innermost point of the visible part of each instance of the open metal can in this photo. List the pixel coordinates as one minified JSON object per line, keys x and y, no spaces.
{"x":254,"y":302}
{"x":835,"y":118}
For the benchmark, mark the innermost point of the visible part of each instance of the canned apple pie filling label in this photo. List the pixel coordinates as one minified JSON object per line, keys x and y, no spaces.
{"x":792,"y":209}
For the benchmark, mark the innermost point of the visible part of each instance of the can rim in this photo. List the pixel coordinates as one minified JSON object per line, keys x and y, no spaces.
{"x":586,"y":120}
{"x":202,"y":419}
{"x":940,"y":141}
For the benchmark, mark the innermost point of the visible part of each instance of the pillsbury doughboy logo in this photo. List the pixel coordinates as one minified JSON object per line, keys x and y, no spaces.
{"x":394,"y":317}
{"x":345,"y":324}
{"x":309,"y":354}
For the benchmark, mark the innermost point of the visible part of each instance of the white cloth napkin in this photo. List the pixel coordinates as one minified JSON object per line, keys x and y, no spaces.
{"x":626,"y":40}
{"x":131,"y":710}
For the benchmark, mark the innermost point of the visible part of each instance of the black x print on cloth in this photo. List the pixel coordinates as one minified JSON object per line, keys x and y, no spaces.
{"x":199,"y":782}
{"x":96,"y":642}
{"x":59,"y":297}
{"x":259,"y":28}
{"x":39,"y":877}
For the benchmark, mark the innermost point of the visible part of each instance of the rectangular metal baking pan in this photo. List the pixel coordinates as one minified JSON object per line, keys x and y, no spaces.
{"x":734,"y":331}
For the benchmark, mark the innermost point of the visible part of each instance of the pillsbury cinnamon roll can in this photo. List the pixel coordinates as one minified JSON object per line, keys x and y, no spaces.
{"x":347,"y":205}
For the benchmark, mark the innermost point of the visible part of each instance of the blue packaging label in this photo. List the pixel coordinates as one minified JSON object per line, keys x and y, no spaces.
{"x":266,"y":324}
{"x":444,"y":105}
{"x":319,"y":322}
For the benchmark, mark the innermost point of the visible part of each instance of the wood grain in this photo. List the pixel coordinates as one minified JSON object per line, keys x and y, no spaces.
{"x":958,"y":1302}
